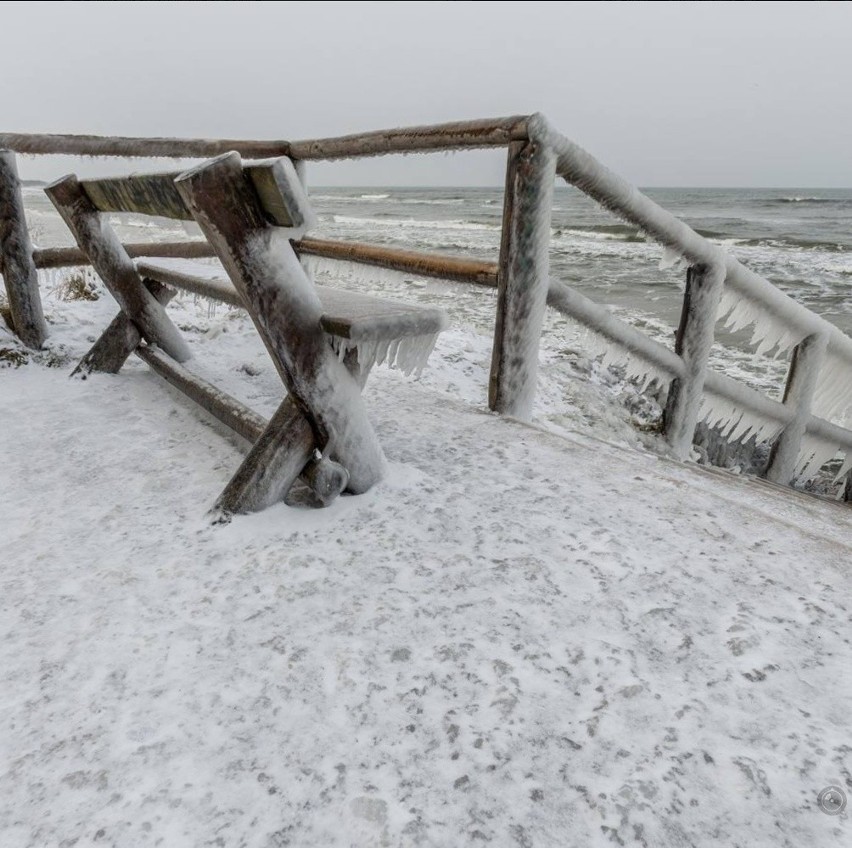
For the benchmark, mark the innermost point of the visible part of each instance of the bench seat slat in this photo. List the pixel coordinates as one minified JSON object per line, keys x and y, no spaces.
{"x":347,"y":314}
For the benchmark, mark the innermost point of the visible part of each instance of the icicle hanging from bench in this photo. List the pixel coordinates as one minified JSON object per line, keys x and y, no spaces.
{"x":408,"y":354}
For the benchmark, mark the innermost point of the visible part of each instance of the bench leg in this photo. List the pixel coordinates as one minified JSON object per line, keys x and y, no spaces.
{"x":115,"y":267}
{"x":283,"y":452}
{"x":119,"y":340}
{"x":286,"y":310}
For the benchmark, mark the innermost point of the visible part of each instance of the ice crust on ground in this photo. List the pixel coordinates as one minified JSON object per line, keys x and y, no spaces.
{"x":518,"y":638}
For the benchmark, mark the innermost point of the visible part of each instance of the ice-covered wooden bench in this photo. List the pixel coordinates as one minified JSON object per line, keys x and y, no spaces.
{"x":323,"y":341}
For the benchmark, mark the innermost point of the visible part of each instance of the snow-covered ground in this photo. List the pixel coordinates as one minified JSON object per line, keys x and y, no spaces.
{"x":525,"y":636}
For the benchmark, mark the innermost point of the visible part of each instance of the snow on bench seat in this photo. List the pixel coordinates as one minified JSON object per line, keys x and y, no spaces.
{"x":401,"y":335}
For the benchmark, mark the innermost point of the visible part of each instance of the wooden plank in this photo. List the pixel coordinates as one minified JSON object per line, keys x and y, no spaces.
{"x":359,"y":317}
{"x":16,"y":264}
{"x":347,"y":314}
{"x":692,"y":343}
{"x":133,"y":147}
{"x":260,"y":481}
{"x":523,"y":278}
{"x":242,"y":420}
{"x":460,"y":269}
{"x":115,"y":267}
{"x":286,"y":311}
{"x":802,"y":378}
{"x":203,"y":280}
{"x":284,"y":451}
{"x":119,"y":340}
{"x":144,"y":194}
{"x":67,"y":257}
{"x":489,"y":132}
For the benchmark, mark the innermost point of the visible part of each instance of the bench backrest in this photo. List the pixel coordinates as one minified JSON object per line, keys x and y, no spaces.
{"x":284,"y":201}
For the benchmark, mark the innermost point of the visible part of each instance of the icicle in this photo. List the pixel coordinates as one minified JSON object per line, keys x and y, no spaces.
{"x":614,"y":355}
{"x":672,"y":259}
{"x":365,"y":277}
{"x":408,"y":354}
{"x":845,"y":468}
{"x":813,"y":455}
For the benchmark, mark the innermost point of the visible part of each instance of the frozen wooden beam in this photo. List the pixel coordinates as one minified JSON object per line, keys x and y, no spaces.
{"x":692,"y":343}
{"x":802,"y":378}
{"x":134,"y":147}
{"x":286,"y":310}
{"x":523,"y":278}
{"x":490,"y":132}
{"x":16,"y":263}
{"x":119,"y":340}
{"x":115,"y":267}
{"x":142,"y":194}
{"x":242,"y":420}
{"x":459,"y":269}
{"x":67,"y":257}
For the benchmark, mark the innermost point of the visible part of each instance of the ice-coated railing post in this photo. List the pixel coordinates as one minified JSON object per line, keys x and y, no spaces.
{"x":692,"y":343}
{"x":805,"y":364}
{"x":522,"y":277}
{"x":16,"y":258}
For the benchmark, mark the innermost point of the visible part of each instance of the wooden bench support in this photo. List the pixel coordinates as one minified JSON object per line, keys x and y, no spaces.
{"x":116,"y":269}
{"x":119,"y":340}
{"x":16,"y":260}
{"x":268,"y":472}
{"x":286,"y":310}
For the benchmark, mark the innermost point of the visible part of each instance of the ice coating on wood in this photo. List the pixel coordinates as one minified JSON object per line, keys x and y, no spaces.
{"x":739,"y":312}
{"x":636,"y":367}
{"x":815,"y":452}
{"x":523,"y":278}
{"x":833,"y":395}
{"x":364,"y":276}
{"x":320,"y":382}
{"x":734,"y":421}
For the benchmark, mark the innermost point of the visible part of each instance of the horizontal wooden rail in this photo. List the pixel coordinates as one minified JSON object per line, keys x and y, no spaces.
{"x":134,"y":148}
{"x":579,"y":168}
{"x":491,"y":132}
{"x":67,"y":257}
{"x":184,"y":279}
{"x":242,"y":420}
{"x":460,"y":269}
{"x":443,"y":267}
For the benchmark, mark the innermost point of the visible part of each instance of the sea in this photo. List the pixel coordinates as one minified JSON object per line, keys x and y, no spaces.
{"x":800,"y":239}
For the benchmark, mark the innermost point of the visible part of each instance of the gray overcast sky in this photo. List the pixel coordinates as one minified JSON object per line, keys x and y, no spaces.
{"x":720,"y":94}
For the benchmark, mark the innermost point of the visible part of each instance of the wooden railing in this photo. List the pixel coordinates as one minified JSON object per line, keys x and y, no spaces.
{"x":819,"y":384}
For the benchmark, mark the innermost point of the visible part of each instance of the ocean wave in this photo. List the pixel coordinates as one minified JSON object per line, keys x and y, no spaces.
{"x":414,"y":223}
{"x":842,"y":201}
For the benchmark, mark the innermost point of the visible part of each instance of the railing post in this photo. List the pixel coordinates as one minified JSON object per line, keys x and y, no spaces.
{"x":805,"y":363}
{"x":692,"y":343}
{"x":522,"y":278}
{"x":16,"y":258}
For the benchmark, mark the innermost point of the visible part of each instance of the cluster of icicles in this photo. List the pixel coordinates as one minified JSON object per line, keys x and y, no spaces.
{"x":408,"y":354}
{"x":832,"y":398}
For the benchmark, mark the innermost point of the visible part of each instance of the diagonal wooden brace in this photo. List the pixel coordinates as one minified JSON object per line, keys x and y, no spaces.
{"x":111,"y":262}
{"x":119,"y":340}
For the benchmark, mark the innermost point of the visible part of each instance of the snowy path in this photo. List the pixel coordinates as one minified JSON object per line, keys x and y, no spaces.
{"x":517,"y":639}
